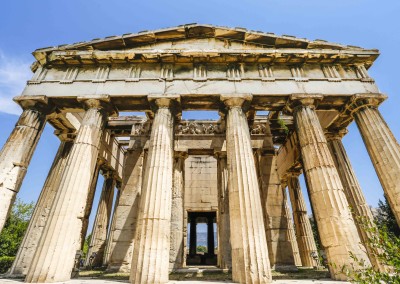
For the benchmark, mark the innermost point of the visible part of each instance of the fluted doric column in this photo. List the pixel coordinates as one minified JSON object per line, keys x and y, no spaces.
{"x":122,"y":235}
{"x":102,"y":221}
{"x":224,"y":243}
{"x":336,"y":226}
{"x":383,"y":149}
{"x":304,"y":233}
{"x":109,"y":245}
{"x":152,"y":243}
{"x":17,"y":152}
{"x":54,"y":258}
{"x":176,"y":256}
{"x":280,"y":248}
{"x":250,"y":263}
{"x":89,"y":200}
{"x":41,"y":213}
{"x":352,"y":189}
{"x":291,"y":234}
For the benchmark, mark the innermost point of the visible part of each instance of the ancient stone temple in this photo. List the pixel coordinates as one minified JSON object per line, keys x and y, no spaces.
{"x":284,"y":104}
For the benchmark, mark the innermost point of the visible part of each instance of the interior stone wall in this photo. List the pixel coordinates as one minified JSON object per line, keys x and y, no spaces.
{"x":201,"y":188}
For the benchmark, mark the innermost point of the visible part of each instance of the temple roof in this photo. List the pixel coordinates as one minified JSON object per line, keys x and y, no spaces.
{"x":260,"y":39}
{"x":266,"y":40}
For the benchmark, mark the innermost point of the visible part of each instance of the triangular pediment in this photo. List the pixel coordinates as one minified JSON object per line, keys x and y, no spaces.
{"x":203,"y":41}
{"x":186,"y":33}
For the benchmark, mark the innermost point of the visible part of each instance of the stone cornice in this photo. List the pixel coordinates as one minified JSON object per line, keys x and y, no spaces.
{"x":271,"y":56}
{"x":266,"y":42}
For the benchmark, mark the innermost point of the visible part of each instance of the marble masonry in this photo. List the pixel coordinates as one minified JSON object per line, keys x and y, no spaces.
{"x":283,"y":104}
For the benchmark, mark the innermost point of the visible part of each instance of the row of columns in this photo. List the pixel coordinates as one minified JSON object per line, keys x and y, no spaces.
{"x":61,"y":233}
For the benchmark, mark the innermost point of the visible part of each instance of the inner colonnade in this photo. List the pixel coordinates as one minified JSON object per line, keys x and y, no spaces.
{"x":240,"y":172}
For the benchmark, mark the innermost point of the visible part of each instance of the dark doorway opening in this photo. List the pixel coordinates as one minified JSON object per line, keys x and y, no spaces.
{"x":202,"y":238}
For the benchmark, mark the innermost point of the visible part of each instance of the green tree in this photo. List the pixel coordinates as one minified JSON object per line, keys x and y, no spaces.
{"x":315,"y":232}
{"x":86,"y":245}
{"x":386,"y":218}
{"x":386,"y":246}
{"x":15,"y":227}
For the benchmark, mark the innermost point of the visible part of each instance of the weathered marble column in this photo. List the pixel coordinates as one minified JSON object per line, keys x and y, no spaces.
{"x":336,"y":226}
{"x":102,"y":221}
{"x":193,"y":237}
{"x":176,"y":256}
{"x":89,"y":200}
{"x":17,"y":152}
{"x":250,"y":263}
{"x":150,"y":260}
{"x":290,"y":231}
{"x":383,"y":149}
{"x":39,"y":217}
{"x":122,"y":235}
{"x":224,"y":242}
{"x":280,"y":247}
{"x":352,"y":189}
{"x":210,"y":236}
{"x":107,"y":252}
{"x":54,"y":258}
{"x":304,"y":233}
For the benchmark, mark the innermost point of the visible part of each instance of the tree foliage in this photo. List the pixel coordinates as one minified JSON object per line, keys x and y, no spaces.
{"x":385,"y":218}
{"x":15,"y":227}
{"x":386,"y":246}
{"x":86,"y":245}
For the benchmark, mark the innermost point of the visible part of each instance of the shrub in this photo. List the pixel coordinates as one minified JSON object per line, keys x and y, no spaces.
{"x":5,"y":263}
{"x":386,"y":246}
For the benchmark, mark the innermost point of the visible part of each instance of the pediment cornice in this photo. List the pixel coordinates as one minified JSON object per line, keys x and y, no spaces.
{"x":253,"y":45}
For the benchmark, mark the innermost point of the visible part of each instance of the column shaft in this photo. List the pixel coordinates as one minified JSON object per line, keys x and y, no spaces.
{"x":304,"y":234}
{"x":280,"y":248}
{"x":152,"y":243}
{"x":15,"y":157}
{"x":384,"y":152}
{"x":224,"y":243}
{"x":41,"y":213}
{"x":291,"y":233}
{"x":101,"y":223}
{"x":353,"y":192}
{"x":250,"y":263}
{"x":193,"y":237}
{"x":122,"y":237}
{"x":109,"y":246}
{"x":89,"y":202}
{"x":336,"y":226}
{"x":54,"y":258}
{"x":176,"y":256}
{"x":210,"y":237}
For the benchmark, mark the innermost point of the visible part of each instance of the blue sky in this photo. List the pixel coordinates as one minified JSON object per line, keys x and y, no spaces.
{"x":27,"y":25}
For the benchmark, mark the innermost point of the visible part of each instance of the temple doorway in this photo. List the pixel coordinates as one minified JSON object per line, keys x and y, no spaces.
{"x":202,"y":238}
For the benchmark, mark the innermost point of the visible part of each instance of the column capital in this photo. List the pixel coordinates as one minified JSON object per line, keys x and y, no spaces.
{"x":361,"y":101}
{"x":108,"y":174}
{"x":302,"y":100}
{"x":335,"y":134}
{"x":170,"y":101}
{"x":235,"y":100}
{"x":38,"y":103}
{"x":181,"y":155}
{"x":102,"y":102}
{"x":220,"y":155}
{"x":294,"y":173}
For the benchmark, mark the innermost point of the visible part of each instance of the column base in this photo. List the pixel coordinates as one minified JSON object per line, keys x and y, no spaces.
{"x":285,"y":268}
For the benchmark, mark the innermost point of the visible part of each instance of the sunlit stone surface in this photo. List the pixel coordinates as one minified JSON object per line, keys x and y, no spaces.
{"x":223,"y":178}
